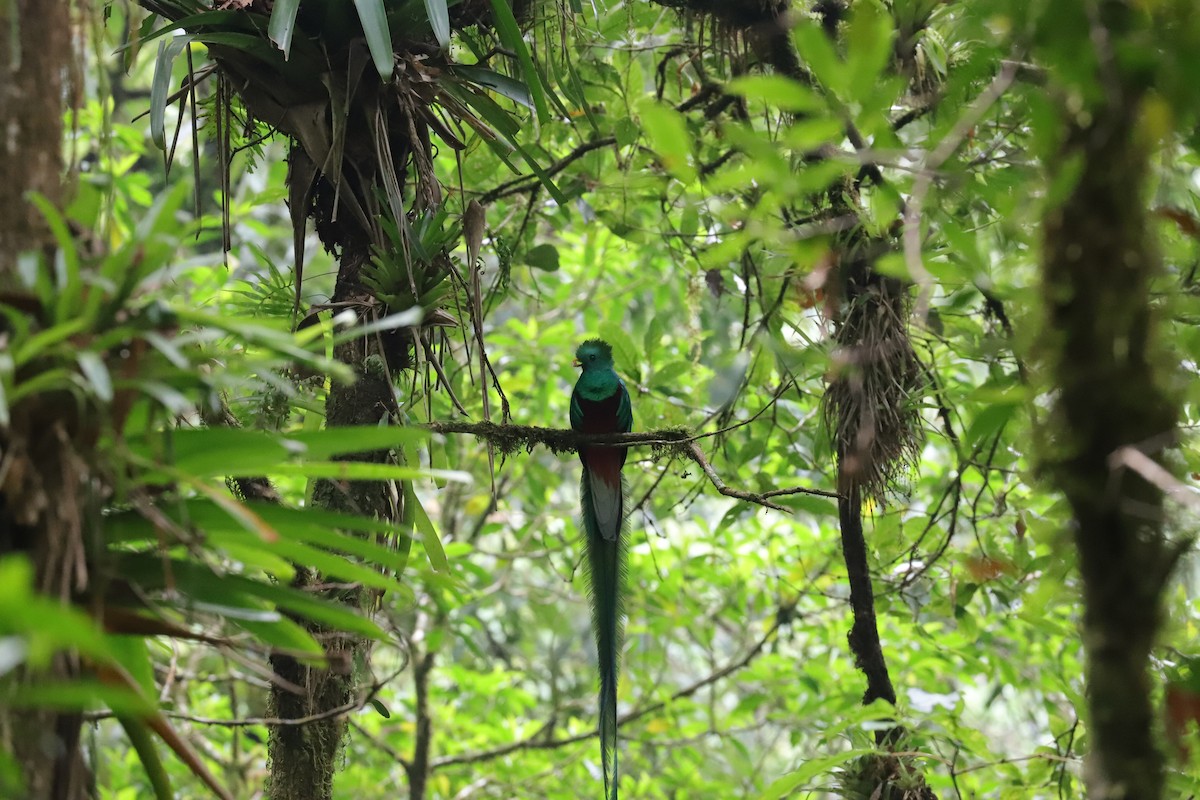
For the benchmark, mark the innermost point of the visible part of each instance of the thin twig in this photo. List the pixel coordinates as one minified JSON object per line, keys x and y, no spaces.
{"x":924,"y":182}
{"x":534,"y":742}
{"x":510,"y":438}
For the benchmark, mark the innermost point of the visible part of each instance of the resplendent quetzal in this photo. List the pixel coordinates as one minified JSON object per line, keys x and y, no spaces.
{"x":600,"y":404}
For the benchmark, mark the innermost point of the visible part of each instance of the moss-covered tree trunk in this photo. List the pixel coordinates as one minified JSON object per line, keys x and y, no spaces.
{"x":304,"y":757}
{"x":1098,"y":266}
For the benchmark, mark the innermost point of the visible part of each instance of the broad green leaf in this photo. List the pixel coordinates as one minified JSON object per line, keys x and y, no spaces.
{"x":283,"y":634}
{"x":668,"y":134}
{"x":68,"y":278}
{"x":76,"y":695}
{"x":543,"y":257}
{"x":869,"y":46}
{"x":133,"y":655}
{"x":777,"y":91}
{"x":204,"y":452}
{"x":623,"y":346}
{"x":331,"y":442}
{"x":989,"y":422}
{"x":96,"y":372}
{"x":41,"y":341}
{"x":818,"y":54}
{"x":201,"y":583}
{"x":543,"y":176}
{"x":501,"y":122}
{"x":327,"y":563}
{"x":367,"y":471}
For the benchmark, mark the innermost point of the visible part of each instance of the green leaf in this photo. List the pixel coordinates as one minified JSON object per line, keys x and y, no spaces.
{"x":990,"y":421}
{"x":667,"y":131}
{"x":283,"y":634}
{"x":510,"y":36}
{"x":96,"y":372}
{"x":543,"y":257}
{"x":429,"y":535}
{"x":778,"y":92}
{"x":205,"y":452}
{"x":69,"y":283}
{"x":331,"y":442}
{"x":132,"y":654}
{"x":543,"y":176}
{"x":869,"y":46}
{"x":143,"y":744}
{"x":160,"y":88}
{"x":283,"y":24}
{"x":43,"y":340}
{"x":374,"y":20}
{"x":503,"y":123}
{"x":626,"y":132}
{"x":490,"y":79}
{"x":76,"y":695}
{"x":624,"y":349}
{"x":817,"y":51}
{"x":813,"y":768}
{"x":199,"y":582}
{"x":367,"y":471}
{"x":439,"y":20}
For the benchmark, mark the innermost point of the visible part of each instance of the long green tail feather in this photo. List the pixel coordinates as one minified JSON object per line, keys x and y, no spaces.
{"x":606,"y":567}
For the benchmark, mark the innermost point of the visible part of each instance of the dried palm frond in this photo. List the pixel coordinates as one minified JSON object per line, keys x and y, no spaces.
{"x":870,"y":407}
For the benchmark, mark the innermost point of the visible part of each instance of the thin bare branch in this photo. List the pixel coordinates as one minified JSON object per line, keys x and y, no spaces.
{"x":924,"y":182}
{"x":675,"y":441}
{"x":535,"y":742}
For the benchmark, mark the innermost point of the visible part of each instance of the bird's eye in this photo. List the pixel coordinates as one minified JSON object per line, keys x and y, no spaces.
{"x":592,"y":357}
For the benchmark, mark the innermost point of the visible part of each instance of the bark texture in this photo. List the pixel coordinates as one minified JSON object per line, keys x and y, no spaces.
{"x":44,"y":500}
{"x":1098,"y":265}
{"x":304,"y":757}
{"x":34,"y":50}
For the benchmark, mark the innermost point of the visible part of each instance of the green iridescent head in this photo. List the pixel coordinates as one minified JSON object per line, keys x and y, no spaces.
{"x":594,"y":354}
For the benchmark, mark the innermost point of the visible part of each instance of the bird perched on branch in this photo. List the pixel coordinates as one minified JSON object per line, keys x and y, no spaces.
{"x":600,"y":404}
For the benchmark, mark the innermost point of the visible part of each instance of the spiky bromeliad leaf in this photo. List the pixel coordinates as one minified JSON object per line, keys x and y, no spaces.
{"x":283,"y":24}
{"x":379,"y":35}
{"x":439,"y":20}
{"x":510,"y":35}
{"x":415,"y":279}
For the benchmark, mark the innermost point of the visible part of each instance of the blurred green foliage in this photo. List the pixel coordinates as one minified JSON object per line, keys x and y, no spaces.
{"x":697,"y":243}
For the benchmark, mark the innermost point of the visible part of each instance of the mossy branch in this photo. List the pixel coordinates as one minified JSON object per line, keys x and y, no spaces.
{"x":674,"y":442}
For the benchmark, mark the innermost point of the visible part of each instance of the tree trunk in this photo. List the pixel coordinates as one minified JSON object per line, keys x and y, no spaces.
{"x":35,"y":47}
{"x":1099,"y":261}
{"x":34,"y":58}
{"x":304,"y":757}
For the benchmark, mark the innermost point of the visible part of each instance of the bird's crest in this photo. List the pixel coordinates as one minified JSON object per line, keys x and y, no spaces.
{"x":597,"y":347}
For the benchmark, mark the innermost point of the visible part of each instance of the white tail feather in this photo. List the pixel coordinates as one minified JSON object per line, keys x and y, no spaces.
{"x":606,"y":503}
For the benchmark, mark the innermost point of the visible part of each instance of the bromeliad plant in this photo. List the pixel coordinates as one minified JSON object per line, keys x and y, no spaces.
{"x":117,"y":525}
{"x":361,"y":90}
